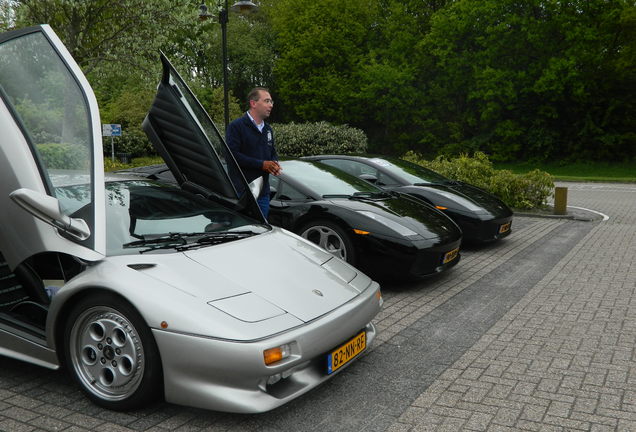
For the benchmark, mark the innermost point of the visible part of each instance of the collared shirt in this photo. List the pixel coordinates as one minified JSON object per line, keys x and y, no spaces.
{"x":259,"y":126}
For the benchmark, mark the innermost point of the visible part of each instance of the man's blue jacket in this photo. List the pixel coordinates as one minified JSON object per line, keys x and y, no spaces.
{"x":250,"y":148}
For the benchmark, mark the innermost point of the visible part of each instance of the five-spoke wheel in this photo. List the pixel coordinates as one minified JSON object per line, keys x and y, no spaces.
{"x":331,"y":237}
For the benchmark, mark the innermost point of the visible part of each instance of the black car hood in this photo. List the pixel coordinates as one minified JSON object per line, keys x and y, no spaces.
{"x":469,"y":199}
{"x":421,"y":218}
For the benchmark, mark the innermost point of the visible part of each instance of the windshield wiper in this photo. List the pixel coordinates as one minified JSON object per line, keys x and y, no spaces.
{"x":223,"y":237}
{"x":374,"y":195}
{"x":336,"y":196}
{"x":178,"y":240}
{"x":167,"y":240}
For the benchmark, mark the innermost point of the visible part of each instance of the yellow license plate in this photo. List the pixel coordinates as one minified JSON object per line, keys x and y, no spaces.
{"x":450,"y":255}
{"x":346,"y":352}
{"x":504,"y":228}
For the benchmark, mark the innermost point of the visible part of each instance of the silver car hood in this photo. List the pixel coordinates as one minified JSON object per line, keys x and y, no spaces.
{"x":278,"y":267}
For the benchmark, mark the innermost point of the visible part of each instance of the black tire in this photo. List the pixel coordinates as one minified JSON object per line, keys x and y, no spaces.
{"x":331,"y":237}
{"x":111,"y":353}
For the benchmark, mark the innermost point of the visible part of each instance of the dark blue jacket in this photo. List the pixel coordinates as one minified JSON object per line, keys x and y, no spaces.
{"x":250,"y":148}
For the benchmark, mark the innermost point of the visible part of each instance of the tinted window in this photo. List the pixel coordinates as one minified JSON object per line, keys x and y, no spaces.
{"x":325,"y":180}
{"x":358,"y":168}
{"x":409,"y":171}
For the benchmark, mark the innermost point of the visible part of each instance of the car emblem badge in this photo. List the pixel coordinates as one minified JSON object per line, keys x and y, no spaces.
{"x":317,"y":292}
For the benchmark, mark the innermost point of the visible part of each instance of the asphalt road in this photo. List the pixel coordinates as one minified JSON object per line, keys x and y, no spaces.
{"x":493,"y":344}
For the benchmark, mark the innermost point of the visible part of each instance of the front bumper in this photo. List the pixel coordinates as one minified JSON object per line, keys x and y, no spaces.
{"x":485,"y":230}
{"x":231,"y":376}
{"x":390,"y":259}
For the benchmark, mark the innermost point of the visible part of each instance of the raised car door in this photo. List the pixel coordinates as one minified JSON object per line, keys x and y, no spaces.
{"x":190,"y":144}
{"x":51,"y":137}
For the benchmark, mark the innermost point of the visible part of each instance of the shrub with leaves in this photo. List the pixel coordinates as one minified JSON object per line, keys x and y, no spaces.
{"x":132,"y":141}
{"x":68,"y":156}
{"x":114,"y":165}
{"x":520,"y":191}
{"x":305,"y":139}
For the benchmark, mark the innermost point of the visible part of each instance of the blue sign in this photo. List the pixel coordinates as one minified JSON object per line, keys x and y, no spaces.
{"x":111,"y":130}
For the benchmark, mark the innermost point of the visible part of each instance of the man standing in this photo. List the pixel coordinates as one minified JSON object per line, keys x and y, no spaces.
{"x":251,"y":141}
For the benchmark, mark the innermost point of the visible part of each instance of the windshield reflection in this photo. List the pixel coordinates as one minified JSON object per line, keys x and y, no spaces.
{"x":409,"y":171}
{"x":326,"y":180}
{"x":138,"y":209}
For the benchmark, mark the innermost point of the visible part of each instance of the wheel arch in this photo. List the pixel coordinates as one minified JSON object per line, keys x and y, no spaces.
{"x":307,"y":218}
{"x":64,"y":312}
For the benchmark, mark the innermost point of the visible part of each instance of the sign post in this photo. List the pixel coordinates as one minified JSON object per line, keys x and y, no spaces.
{"x":111,"y":130}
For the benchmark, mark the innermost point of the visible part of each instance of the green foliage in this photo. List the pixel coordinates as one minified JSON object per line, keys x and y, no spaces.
{"x":531,"y":80}
{"x":114,"y":165}
{"x":133,"y":142}
{"x":322,"y":45}
{"x":66,"y":156}
{"x":520,"y":191}
{"x":295,"y":140}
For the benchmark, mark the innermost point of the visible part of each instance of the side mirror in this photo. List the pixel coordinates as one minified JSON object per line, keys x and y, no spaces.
{"x":368,"y":177}
{"x":256,"y":186}
{"x":47,"y":209}
{"x":278,"y":204}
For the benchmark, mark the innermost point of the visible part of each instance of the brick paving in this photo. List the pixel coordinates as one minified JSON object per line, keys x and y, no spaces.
{"x":563,"y":358}
{"x":536,"y":332}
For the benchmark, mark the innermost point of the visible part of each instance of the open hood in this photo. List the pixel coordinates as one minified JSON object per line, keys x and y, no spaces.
{"x":191,"y":145}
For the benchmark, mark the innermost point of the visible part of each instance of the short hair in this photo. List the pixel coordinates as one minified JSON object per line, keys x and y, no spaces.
{"x":255,"y":94}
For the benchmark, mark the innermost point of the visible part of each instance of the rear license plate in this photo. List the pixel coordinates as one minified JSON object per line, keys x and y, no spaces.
{"x":450,"y":255}
{"x":346,"y":352}
{"x":504,"y":228}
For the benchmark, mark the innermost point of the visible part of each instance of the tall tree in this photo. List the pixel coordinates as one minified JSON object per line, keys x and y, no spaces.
{"x":534,"y":79}
{"x":322,"y":45}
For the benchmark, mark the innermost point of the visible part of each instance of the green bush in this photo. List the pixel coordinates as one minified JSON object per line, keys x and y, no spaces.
{"x":305,"y":139}
{"x":519,"y":191}
{"x":67,"y":156}
{"x":110,"y":165}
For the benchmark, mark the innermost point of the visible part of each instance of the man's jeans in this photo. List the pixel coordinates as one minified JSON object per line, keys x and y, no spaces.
{"x":263,"y":203}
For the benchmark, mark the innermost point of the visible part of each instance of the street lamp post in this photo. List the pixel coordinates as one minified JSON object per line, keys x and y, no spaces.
{"x":240,"y":6}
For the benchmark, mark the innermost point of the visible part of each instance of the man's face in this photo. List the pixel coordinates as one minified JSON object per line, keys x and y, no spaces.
{"x":263,"y":106}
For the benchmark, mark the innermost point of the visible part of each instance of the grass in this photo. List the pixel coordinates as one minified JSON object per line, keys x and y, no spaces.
{"x":579,"y":171}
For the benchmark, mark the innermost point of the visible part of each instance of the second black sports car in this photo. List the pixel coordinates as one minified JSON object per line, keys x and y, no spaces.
{"x":385,"y":234}
{"x":481,"y":216}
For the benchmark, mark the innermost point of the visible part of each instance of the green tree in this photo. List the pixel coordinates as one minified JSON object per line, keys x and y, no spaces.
{"x":322,"y":45}
{"x":534,"y":79}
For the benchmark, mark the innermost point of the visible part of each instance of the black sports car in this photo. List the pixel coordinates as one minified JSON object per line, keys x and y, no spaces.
{"x":481,"y":216}
{"x":385,"y":234}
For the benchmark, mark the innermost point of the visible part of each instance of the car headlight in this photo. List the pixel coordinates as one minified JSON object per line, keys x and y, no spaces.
{"x":395,"y":226}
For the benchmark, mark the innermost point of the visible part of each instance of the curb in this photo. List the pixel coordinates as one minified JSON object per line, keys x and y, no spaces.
{"x":577,"y":214}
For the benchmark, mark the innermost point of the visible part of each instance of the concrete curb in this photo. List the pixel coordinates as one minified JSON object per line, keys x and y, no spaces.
{"x":577,"y":214}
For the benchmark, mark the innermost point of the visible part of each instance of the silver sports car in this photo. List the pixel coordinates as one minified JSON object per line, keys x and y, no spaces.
{"x":144,"y":289}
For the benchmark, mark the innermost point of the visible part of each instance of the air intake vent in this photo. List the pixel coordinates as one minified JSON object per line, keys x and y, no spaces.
{"x":141,"y":266}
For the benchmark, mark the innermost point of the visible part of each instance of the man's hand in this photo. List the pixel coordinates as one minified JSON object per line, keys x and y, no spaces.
{"x":272,"y":167}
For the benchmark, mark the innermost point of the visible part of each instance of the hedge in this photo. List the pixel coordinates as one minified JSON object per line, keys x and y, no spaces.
{"x":305,"y":139}
{"x":519,"y":191}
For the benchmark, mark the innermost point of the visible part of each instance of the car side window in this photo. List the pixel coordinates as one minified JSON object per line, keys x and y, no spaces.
{"x":386,"y":180}
{"x":285,"y":192}
{"x":358,"y":169}
{"x":352,"y":167}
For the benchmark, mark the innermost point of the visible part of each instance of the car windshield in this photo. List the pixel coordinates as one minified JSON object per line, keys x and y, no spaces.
{"x":326,"y":180}
{"x":409,"y":171}
{"x":140,"y":213}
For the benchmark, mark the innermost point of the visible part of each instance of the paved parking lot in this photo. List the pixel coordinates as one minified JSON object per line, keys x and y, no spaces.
{"x":537,"y":332}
